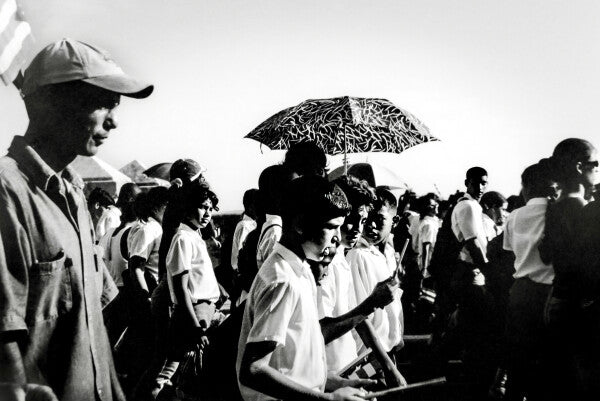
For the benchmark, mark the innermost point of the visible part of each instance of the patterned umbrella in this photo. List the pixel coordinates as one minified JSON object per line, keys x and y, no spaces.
{"x":344,"y":125}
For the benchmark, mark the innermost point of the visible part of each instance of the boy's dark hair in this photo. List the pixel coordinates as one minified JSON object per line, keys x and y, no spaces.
{"x":149,"y":203}
{"x":538,"y":180}
{"x":100,"y":196}
{"x":127,"y":196}
{"x":492,"y":199}
{"x":423,"y":203}
{"x":315,"y":199}
{"x":357,"y":191}
{"x":407,"y":198}
{"x":191,"y":196}
{"x":249,"y":198}
{"x":271,"y":185}
{"x":385,"y":198}
{"x":475,"y":173}
{"x":306,"y":158}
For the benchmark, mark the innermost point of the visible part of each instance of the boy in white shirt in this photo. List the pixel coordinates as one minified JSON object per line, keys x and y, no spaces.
{"x":372,"y":261}
{"x":281,"y":350}
{"x":192,"y":283}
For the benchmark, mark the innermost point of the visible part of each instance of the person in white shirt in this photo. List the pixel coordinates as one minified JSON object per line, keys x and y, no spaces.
{"x":281,"y":350}
{"x":192,"y":282}
{"x":244,"y":226}
{"x":144,"y":240}
{"x":429,"y":226}
{"x":467,"y":223}
{"x":336,"y":301}
{"x":104,"y":213}
{"x":526,"y":333}
{"x":271,"y":186}
{"x":494,"y":206}
{"x":373,"y":260}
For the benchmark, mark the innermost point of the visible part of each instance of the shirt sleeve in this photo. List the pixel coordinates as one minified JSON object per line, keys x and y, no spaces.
{"x":141,"y":242}
{"x":273,"y":311}
{"x":235,"y":245}
{"x":468,"y":223}
{"x":15,"y":259}
{"x":270,"y":238}
{"x":179,"y":258}
{"x":507,"y":240}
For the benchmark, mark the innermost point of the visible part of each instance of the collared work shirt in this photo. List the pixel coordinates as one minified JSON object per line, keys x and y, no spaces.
{"x":281,"y":307}
{"x":270,"y":234}
{"x":335,"y":296}
{"x":523,"y":232}
{"x":144,"y":241}
{"x":188,"y":253}
{"x":467,"y":223}
{"x":50,"y":279}
{"x":369,"y":266}
{"x":242,"y":229}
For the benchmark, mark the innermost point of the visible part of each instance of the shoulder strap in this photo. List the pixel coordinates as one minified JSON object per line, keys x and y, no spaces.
{"x":123,"y":243}
{"x":265,"y":230}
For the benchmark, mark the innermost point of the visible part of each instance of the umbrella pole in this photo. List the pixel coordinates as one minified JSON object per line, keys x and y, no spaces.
{"x":345,"y":154}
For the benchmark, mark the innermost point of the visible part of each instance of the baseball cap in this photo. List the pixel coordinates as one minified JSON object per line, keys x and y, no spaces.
{"x":186,"y":170}
{"x":70,"y":60}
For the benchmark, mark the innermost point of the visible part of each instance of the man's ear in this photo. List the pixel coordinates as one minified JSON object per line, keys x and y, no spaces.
{"x":579,"y":167}
{"x":297,"y":225}
{"x":395,"y":221}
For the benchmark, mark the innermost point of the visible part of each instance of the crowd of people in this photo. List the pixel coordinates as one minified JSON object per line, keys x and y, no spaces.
{"x":132,"y":299}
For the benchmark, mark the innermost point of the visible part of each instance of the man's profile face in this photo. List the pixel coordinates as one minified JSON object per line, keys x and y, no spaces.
{"x":379,"y":225}
{"x":353,"y":226}
{"x":476,"y":186}
{"x":88,"y":118}
{"x":324,"y":237}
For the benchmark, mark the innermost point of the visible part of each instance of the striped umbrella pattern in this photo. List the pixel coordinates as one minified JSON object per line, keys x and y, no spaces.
{"x":16,"y":41}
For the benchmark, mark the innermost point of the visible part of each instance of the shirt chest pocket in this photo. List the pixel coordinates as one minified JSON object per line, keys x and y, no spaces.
{"x":50,"y":293}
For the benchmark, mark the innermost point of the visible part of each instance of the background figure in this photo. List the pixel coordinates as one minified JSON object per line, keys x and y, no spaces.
{"x":306,"y":158}
{"x":574,"y":166}
{"x":105,"y":214}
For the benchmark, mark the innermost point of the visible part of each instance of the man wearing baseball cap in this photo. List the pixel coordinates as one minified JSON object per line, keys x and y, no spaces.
{"x":51,"y":281}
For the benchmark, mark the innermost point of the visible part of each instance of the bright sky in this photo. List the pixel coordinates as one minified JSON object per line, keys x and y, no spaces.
{"x":499,"y":82}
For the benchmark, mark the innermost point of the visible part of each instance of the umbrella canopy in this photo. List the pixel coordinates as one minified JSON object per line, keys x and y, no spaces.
{"x":160,"y":170}
{"x":374,"y":174}
{"x":344,"y":125}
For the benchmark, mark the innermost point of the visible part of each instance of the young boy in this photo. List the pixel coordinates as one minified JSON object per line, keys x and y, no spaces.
{"x":192,"y":282}
{"x":281,"y":352}
{"x":372,"y":261}
{"x":336,"y":295}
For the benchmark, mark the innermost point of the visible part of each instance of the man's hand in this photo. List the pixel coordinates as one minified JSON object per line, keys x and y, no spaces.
{"x":349,"y":394}
{"x":383,"y":293}
{"x":335,"y":382}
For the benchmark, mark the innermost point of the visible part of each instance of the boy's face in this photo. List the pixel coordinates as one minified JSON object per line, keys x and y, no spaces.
{"x":379,"y":225}
{"x":318,"y":244}
{"x":353,"y":226}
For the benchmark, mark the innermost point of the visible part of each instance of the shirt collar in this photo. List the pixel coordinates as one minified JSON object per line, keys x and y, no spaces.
{"x":272,"y":219}
{"x":185,"y":227}
{"x":245,"y":217}
{"x":301,"y":267}
{"x":36,"y":168}
{"x":537,"y":201}
{"x":364,"y":244}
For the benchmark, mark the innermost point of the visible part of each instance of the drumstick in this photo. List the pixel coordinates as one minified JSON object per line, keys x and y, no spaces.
{"x":399,"y":390}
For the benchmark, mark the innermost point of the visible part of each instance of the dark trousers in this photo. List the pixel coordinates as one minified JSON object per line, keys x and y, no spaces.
{"x":527,"y":341}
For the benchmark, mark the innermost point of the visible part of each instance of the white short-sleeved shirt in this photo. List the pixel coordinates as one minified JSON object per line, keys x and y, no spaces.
{"x":428,"y":230}
{"x":467,"y":223}
{"x":188,"y":252}
{"x":413,"y":229}
{"x":242,"y":229}
{"x":282,"y":307}
{"x":369,"y":266}
{"x":110,"y":218}
{"x":335,"y":296}
{"x":144,"y":241}
{"x":523,"y":232}
{"x":270,"y":234}
{"x":491,"y":229}
{"x":113,"y":259}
